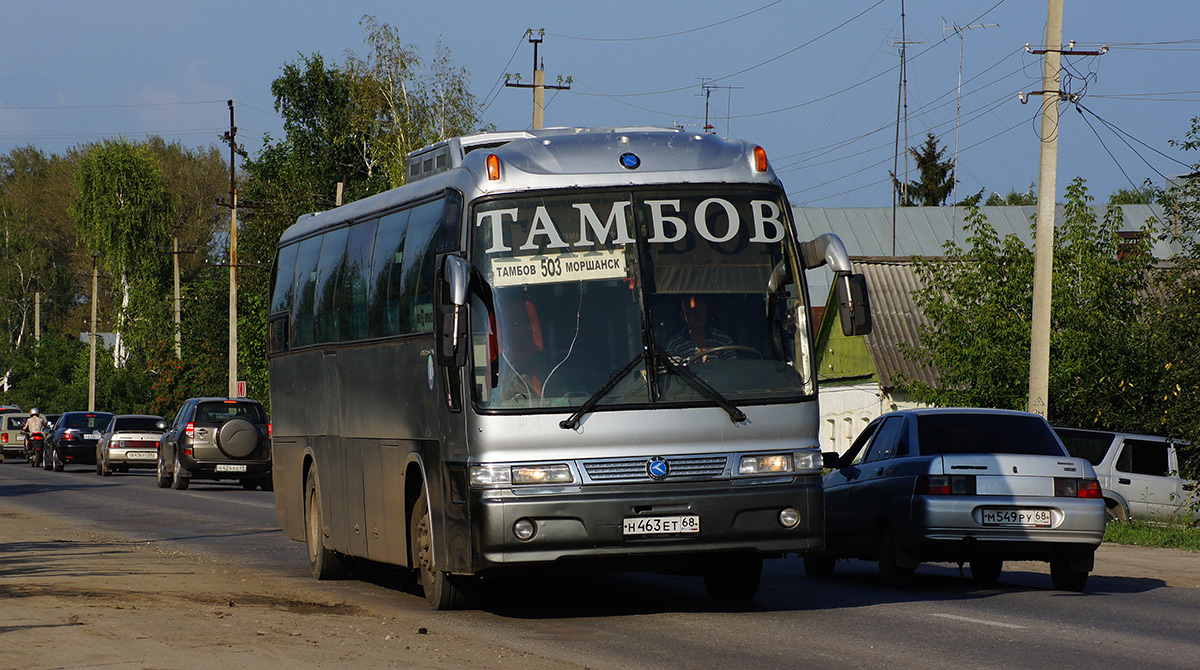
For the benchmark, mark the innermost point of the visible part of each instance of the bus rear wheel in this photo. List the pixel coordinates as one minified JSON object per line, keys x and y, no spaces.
{"x":322,"y":563}
{"x":442,"y":591}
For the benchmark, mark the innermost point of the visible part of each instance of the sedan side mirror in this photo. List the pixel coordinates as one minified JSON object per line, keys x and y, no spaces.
{"x":830,"y":460}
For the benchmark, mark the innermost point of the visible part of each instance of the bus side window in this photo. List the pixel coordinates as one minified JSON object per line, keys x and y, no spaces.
{"x":282,"y":284}
{"x":420,"y":252}
{"x":386,"y":263}
{"x":329,"y":275}
{"x":304,"y":292}
{"x":353,"y":294}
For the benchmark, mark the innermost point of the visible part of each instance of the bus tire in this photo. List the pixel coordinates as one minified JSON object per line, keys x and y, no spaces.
{"x":734,"y":580}
{"x":322,"y":562}
{"x":442,"y":591}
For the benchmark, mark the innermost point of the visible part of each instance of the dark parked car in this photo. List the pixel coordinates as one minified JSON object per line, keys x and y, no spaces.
{"x":128,"y":441}
{"x":216,"y":438}
{"x":73,"y":440}
{"x":961,"y":486}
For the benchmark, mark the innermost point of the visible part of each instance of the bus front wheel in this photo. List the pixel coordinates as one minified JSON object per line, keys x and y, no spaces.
{"x":442,"y":591}
{"x":322,"y":563}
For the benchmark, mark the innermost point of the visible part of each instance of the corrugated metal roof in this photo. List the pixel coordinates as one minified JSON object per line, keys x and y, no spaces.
{"x":895,"y":316}
{"x":921,"y":231}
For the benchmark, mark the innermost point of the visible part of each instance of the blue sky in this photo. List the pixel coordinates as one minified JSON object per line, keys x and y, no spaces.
{"x":815,"y":83}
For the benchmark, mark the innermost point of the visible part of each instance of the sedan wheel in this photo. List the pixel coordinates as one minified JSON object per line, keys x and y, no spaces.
{"x":179,"y":481}
{"x":1066,"y":579}
{"x":820,"y":567}
{"x":890,"y":573}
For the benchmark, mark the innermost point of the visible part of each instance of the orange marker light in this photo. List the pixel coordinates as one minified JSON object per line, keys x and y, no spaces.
{"x":493,"y":167}
{"x":760,"y":159}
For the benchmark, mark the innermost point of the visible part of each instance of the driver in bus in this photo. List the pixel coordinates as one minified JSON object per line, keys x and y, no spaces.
{"x":697,"y":336}
{"x":521,"y":350}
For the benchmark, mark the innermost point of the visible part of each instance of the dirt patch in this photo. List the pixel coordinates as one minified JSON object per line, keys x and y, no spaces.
{"x":69,"y":598}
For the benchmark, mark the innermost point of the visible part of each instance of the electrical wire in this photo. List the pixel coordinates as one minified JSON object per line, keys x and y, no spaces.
{"x":494,"y":92}
{"x":675,"y":34}
{"x":613,"y":96}
{"x":1110,"y":153}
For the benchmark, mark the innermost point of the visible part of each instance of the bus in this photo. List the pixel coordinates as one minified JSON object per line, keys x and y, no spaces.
{"x":550,"y":351}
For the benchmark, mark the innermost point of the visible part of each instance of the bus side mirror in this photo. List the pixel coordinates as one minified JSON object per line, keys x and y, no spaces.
{"x":452,"y":336}
{"x":452,"y":324}
{"x":854,"y":307}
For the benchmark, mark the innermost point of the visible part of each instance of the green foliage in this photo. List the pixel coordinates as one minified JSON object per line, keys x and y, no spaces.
{"x":1026,"y":199}
{"x":979,"y":301}
{"x":936,"y":181}
{"x":1146,"y":534}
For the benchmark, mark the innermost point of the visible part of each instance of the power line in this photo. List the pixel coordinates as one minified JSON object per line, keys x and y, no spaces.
{"x":675,"y":34}
{"x":121,"y":106}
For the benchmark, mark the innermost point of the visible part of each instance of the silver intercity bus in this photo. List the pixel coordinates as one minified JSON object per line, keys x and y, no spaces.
{"x":563,"y":349}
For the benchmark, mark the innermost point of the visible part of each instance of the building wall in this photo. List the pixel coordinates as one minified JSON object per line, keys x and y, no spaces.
{"x":847,"y":409}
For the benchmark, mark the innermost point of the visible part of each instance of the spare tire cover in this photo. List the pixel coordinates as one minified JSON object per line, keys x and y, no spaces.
{"x":237,"y":438}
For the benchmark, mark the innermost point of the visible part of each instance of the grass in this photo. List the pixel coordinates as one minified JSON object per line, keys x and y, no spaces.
{"x":1146,"y":534}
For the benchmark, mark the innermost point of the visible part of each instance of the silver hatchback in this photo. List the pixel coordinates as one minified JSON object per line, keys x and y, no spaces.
{"x":973,"y":486}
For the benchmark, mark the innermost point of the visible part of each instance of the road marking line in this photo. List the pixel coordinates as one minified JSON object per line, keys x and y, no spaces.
{"x":980,"y":621}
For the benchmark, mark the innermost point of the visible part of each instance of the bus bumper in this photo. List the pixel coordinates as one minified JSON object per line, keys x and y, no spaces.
{"x":586,"y":525}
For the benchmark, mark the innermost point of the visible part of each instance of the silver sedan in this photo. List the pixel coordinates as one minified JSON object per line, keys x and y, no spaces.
{"x":129,"y":441}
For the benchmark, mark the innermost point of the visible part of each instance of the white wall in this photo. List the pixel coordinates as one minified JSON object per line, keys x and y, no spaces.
{"x":846,"y":410}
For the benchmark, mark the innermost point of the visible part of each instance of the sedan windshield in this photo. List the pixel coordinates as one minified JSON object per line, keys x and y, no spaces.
{"x":580,"y":285}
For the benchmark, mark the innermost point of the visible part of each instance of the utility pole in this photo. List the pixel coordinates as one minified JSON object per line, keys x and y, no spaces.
{"x":901,"y":193}
{"x":539,"y":79}
{"x":178,"y":311}
{"x":1043,"y":260}
{"x":92,"y":339}
{"x":231,"y":137}
{"x":958,"y":112}
{"x":37,"y":315}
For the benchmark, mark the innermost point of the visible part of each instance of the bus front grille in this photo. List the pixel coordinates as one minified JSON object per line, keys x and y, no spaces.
{"x":635,"y":469}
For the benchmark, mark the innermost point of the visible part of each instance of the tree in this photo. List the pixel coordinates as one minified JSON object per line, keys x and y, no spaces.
{"x":937,"y":180}
{"x":123,"y":212}
{"x":979,"y":301}
{"x":1026,"y":199}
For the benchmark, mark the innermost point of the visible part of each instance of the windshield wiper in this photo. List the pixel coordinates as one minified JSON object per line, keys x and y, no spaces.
{"x":655,"y":356}
{"x":735,"y":415}
{"x":572,"y":422}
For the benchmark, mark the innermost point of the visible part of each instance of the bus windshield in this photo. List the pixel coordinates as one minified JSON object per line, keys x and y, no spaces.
{"x":582,"y":284}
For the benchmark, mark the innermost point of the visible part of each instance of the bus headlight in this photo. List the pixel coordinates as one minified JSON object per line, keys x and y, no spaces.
{"x":809,"y":459}
{"x":557,"y":473}
{"x":765,"y":464}
{"x":494,"y":475}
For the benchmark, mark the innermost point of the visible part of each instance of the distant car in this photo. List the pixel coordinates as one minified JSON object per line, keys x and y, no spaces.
{"x":73,"y":439}
{"x":12,"y":440}
{"x":1139,"y":474}
{"x":128,"y":441}
{"x":973,"y":486}
{"x":216,"y":438}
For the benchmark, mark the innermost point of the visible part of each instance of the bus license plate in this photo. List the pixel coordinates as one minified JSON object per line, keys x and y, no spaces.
{"x":1016,"y":517}
{"x":661,"y":525}
{"x":229,"y":467}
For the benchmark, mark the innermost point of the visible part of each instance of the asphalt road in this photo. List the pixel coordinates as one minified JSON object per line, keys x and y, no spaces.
{"x":1124,"y":618}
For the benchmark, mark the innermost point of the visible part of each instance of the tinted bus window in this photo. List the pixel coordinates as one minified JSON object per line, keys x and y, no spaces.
{"x":283,"y":279}
{"x":420,"y":250}
{"x":386,"y":262}
{"x":352,"y":306}
{"x":329,"y":275}
{"x":304,"y":292}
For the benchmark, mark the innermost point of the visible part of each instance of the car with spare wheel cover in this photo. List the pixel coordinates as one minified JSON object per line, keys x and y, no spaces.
{"x":216,"y":439}
{"x":128,"y":441}
{"x":961,"y":485}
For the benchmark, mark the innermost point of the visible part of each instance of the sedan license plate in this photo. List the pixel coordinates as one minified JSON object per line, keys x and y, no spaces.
{"x":1016,"y":517}
{"x":141,"y":455}
{"x":661,"y":525}
{"x":92,"y":436}
{"x":230,"y":467}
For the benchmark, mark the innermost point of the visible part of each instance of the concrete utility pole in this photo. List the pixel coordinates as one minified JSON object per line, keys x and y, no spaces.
{"x":92,"y":339}
{"x":231,"y":137}
{"x":539,"y":79}
{"x":37,"y":315}
{"x":178,"y":311}
{"x":1043,"y":260}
